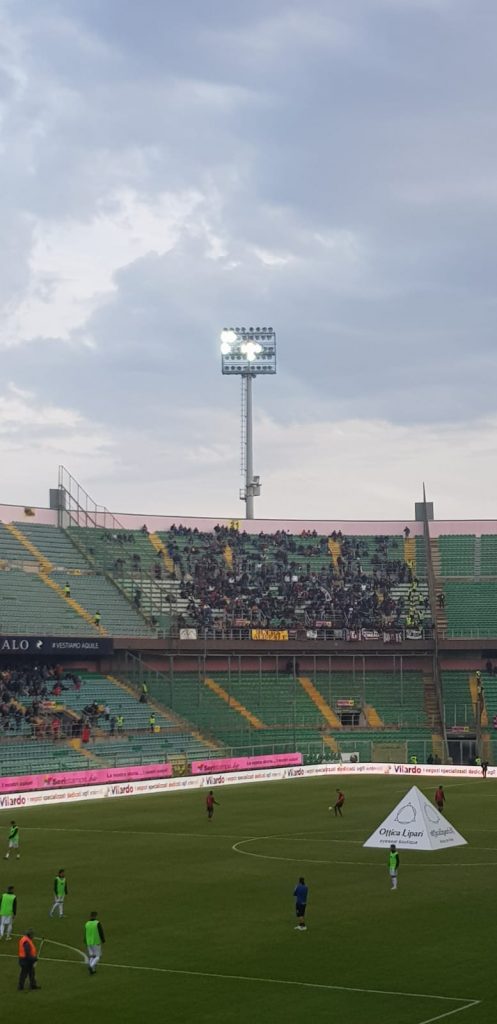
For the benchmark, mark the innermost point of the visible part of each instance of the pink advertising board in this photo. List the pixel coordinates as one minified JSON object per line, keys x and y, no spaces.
{"x":56,"y":780}
{"x":240,"y":764}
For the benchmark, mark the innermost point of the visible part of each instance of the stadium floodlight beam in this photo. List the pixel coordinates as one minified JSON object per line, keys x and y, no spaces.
{"x":248,"y":352}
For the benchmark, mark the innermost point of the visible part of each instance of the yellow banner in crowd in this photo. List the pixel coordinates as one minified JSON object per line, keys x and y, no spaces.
{"x":269,"y":634}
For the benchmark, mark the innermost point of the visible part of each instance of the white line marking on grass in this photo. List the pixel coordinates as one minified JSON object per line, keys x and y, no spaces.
{"x":450,"y":1013}
{"x":276,"y":981}
{"x":54,"y":942}
{"x":128,"y":832}
{"x":347,"y":863}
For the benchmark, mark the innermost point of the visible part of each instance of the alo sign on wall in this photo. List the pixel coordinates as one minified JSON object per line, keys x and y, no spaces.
{"x":61,"y":646}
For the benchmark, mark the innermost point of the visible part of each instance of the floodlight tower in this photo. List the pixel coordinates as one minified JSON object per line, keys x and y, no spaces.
{"x":248,"y":352}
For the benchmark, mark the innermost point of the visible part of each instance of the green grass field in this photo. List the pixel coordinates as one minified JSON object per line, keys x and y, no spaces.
{"x":198,"y":931}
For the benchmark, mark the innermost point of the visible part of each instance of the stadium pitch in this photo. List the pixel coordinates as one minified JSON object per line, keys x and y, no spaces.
{"x":199,"y":915}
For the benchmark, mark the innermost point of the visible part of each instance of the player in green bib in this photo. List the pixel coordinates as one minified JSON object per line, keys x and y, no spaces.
{"x":13,"y":841}
{"x":94,"y":939}
{"x":8,"y":910}
{"x":60,"y":892}
{"x":393,"y":866}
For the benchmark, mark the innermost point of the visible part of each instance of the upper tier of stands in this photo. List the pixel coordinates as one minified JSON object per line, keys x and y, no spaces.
{"x":468,"y":579}
{"x":36,"y":563}
{"x":224,"y":578}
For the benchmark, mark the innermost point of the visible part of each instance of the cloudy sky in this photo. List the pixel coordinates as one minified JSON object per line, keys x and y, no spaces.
{"x":329,"y":168}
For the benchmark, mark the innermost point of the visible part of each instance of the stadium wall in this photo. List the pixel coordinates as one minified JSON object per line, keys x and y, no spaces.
{"x":134,"y":521}
{"x":146,"y":788}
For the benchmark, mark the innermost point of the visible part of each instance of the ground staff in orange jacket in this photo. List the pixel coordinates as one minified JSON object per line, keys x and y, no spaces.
{"x":28,"y":955}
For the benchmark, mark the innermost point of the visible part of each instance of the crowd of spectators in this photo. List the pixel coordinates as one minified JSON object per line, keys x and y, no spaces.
{"x":229,"y":578}
{"x":33,"y":702}
{"x":30,"y":695}
{"x":281,"y":580}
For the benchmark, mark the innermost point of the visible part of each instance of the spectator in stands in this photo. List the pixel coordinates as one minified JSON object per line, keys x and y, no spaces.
{"x":67,"y":589}
{"x":120,"y":724}
{"x":441,"y":600}
{"x":137,"y":598}
{"x":106,"y":713}
{"x":151,"y":722}
{"x":55,"y":728}
{"x":86,"y":733}
{"x":97,"y":618}
{"x":112,"y":728}
{"x":407,"y":532}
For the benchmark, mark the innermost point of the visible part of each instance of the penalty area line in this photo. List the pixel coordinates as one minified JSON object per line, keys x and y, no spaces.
{"x":450,"y":1013}
{"x":468,"y":1003}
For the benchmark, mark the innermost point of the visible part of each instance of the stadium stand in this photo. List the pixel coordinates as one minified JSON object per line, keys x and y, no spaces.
{"x":471,"y":608}
{"x":29,"y":606}
{"x":32,"y":699}
{"x":219,"y":580}
{"x":458,"y":700}
{"x":43,"y":559}
{"x":283,"y":580}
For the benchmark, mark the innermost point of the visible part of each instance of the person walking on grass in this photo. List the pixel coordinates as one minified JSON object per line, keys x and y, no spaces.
{"x":13,"y":841}
{"x":94,"y":940}
{"x":8,"y":910}
{"x":440,"y":798}
{"x":60,"y":892}
{"x":210,"y":803}
{"x":339,"y":802}
{"x":28,"y":956}
{"x":393,"y":866}
{"x":301,"y":892}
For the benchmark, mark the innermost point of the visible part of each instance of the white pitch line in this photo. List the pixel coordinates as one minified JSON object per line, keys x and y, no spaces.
{"x":348,"y":863}
{"x":54,"y":942}
{"x":450,"y":1013}
{"x":128,"y":832}
{"x":272,"y":981}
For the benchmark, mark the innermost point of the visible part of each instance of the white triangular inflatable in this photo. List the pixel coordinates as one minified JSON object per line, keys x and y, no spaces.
{"x":415,"y":824}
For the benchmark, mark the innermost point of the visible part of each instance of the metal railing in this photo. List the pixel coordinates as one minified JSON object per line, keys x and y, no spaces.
{"x":298,"y":633}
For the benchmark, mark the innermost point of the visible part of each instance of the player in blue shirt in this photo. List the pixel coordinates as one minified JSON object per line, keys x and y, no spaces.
{"x":300,"y":893}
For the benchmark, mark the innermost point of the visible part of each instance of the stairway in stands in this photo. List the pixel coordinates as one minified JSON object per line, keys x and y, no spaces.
{"x":436,"y":560}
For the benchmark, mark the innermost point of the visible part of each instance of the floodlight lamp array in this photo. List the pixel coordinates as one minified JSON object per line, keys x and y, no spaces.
{"x":248,"y":350}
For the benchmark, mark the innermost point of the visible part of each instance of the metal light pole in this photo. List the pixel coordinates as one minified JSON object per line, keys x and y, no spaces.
{"x":248,"y":353}
{"x":251,"y":487}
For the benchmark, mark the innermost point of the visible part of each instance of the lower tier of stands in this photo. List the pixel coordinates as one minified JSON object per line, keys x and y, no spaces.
{"x":249,"y":714}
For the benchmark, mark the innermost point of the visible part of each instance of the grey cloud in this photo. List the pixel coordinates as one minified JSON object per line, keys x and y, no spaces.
{"x":345,"y":169}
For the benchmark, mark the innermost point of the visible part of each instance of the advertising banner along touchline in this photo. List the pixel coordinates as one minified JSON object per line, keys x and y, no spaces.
{"x":415,"y":824}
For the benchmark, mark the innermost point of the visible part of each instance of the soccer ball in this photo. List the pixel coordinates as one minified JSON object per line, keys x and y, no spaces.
{"x":330,"y":808}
